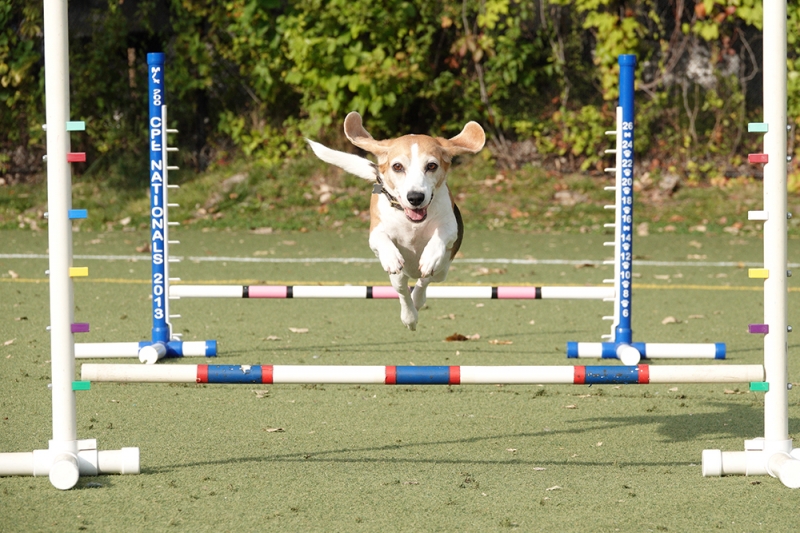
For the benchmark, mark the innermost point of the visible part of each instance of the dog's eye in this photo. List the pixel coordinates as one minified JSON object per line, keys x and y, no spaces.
{"x":431,"y":167}
{"x":397,"y":167}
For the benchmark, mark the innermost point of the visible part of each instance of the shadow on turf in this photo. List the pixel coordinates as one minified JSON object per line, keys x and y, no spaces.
{"x":736,"y":421}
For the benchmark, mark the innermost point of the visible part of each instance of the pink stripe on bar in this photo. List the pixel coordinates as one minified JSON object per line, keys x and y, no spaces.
{"x":76,"y":157}
{"x":518,"y":293}
{"x":758,"y":328}
{"x":380,"y":292}
{"x":79,"y":327}
{"x":267,"y":291}
{"x":757,"y":158}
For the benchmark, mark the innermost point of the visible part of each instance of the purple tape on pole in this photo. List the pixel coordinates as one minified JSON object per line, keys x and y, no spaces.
{"x":80,"y":327}
{"x":758,"y":328}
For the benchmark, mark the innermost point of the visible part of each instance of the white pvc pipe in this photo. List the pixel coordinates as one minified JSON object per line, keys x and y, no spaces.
{"x":205,"y":291}
{"x":577,"y":293}
{"x":333,"y":291}
{"x":706,"y":373}
{"x":656,"y":350}
{"x":776,"y":400}
{"x":114,"y":350}
{"x":59,"y":202}
{"x":140,"y":373}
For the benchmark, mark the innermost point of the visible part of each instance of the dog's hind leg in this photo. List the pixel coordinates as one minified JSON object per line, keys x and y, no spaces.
{"x":408,"y":313}
{"x":418,"y":295}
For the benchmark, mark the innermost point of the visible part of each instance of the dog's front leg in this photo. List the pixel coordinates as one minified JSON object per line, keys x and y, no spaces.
{"x":408,"y":313}
{"x":390,"y":257}
{"x":435,"y":257}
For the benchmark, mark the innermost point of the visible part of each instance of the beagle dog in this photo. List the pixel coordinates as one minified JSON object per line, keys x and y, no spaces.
{"x":415,"y":226}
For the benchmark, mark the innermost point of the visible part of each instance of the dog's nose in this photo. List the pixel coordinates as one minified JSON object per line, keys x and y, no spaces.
{"x":415,"y":198}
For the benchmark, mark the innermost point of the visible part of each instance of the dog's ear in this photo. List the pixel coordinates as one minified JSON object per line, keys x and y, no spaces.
{"x":357,"y":135}
{"x":471,"y":139}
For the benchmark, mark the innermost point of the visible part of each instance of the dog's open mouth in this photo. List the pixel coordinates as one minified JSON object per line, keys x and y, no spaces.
{"x":416,"y":215}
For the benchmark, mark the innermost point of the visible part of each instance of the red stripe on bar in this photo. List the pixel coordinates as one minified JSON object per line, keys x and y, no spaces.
{"x":381,"y":292}
{"x":202,"y":373}
{"x":455,"y":375}
{"x":266,"y":373}
{"x":76,"y":157}
{"x":579,"y":375}
{"x":391,"y":375}
{"x":757,"y":158}
{"x":644,"y":374}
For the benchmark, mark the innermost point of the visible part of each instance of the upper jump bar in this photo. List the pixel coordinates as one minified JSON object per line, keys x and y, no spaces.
{"x":384,"y":292}
{"x":422,"y":375}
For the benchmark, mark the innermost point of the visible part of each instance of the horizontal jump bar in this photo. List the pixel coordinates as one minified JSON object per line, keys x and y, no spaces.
{"x":648,"y":350}
{"x":384,"y":292}
{"x":108,"y":350}
{"x":422,"y":375}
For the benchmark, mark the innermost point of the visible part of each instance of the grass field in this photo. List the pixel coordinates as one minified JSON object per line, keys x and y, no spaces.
{"x":403,"y":458}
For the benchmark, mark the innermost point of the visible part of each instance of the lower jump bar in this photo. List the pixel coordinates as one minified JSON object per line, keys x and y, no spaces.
{"x":422,"y":375}
{"x":384,"y":292}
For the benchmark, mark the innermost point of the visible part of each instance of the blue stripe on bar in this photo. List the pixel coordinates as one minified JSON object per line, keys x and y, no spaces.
{"x":234,"y":374}
{"x":720,"y":352}
{"x":599,"y":375}
{"x":423,"y":375}
{"x":74,"y":214}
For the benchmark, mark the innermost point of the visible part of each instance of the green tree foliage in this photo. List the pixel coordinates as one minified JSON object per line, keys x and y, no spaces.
{"x":253,"y":77}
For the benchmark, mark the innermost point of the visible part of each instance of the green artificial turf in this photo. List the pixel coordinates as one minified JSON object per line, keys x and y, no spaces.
{"x":395,"y":458}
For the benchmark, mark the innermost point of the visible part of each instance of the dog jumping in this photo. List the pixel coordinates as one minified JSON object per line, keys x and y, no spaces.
{"x":415,"y":226}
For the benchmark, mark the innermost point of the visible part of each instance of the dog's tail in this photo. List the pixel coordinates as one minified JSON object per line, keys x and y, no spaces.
{"x":358,"y":166}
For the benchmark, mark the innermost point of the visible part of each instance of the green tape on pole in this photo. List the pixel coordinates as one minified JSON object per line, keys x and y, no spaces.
{"x":81,"y":385}
{"x":757,"y":127}
{"x":759,"y":386}
{"x":76,"y":125}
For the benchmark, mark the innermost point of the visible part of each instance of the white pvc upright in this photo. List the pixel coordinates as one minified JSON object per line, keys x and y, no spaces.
{"x":59,"y":194}
{"x":772,"y":454}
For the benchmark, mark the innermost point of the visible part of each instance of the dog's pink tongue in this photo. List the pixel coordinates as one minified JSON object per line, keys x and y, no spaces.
{"x":416,"y":214}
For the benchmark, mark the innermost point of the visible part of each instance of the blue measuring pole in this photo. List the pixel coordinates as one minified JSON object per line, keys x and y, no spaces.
{"x":627,"y":66}
{"x":155,"y":69}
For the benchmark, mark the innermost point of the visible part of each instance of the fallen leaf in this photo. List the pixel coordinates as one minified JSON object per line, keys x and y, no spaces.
{"x":599,"y":444}
{"x":411,"y":482}
{"x":496,"y":341}
{"x":585,"y":265}
{"x":554,"y":487}
{"x":272,"y":338}
{"x":571,"y":406}
{"x":474,"y":337}
{"x":143,"y":248}
{"x":20,"y":318}
{"x":451,"y":316}
{"x":662,"y":276}
{"x":9,"y":343}
{"x":674,"y":389}
{"x":455,"y":337}
{"x":532,"y":322}
{"x":669,"y":320}
{"x":261,"y":393}
{"x":13,"y":274}
{"x":539,"y":468}
{"x":512,"y":450}
{"x":483,"y":271}
{"x":274,"y":430}
{"x":298,"y":330}
{"x":696,"y":316}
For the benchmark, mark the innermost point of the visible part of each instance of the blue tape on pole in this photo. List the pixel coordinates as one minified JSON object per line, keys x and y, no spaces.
{"x":600,"y":375}
{"x":572,"y":349}
{"x":234,"y":374}
{"x":720,"y":350}
{"x":423,"y":375}
{"x":74,"y":214}
{"x":211,"y":348}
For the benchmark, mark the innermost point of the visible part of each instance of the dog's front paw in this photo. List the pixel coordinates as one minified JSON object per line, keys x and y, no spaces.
{"x":431,"y":260}
{"x":391,"y":261}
